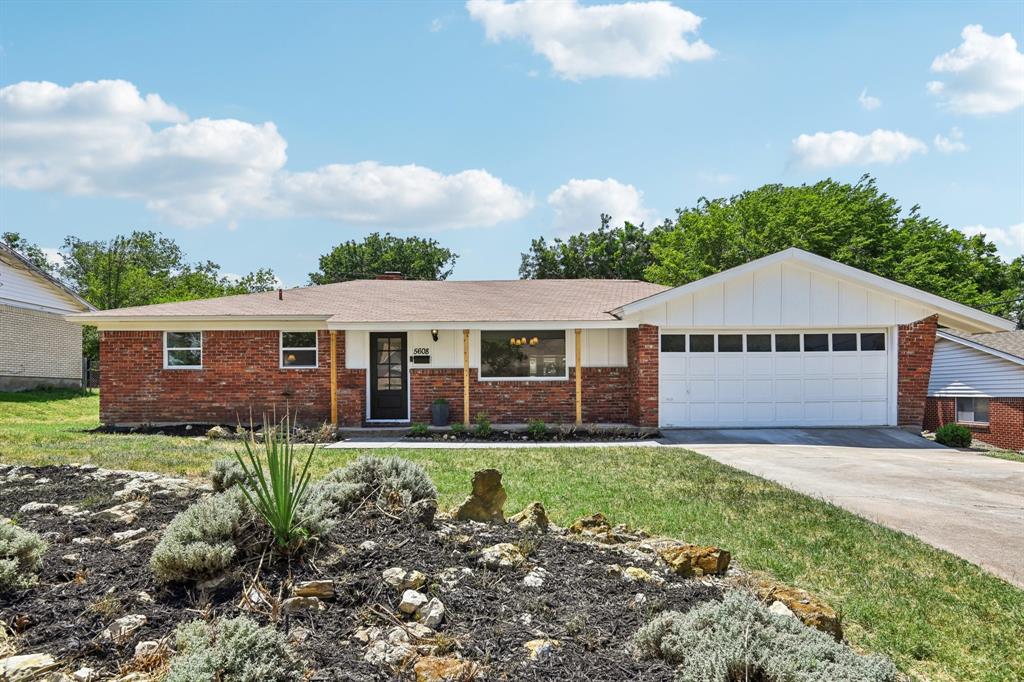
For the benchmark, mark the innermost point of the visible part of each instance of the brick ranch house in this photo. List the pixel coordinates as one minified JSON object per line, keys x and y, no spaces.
{"x":978,"y":380}
{"x":792,"y":339}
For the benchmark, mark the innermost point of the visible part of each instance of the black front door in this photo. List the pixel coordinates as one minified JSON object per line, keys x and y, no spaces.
{"x":389,"y":392}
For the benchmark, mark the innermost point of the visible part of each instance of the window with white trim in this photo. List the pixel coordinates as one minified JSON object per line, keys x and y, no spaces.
{"x":972,"y":410}
{"x":183,"y":350}
{"x":298,"y":349}
{"x":519,"y":354}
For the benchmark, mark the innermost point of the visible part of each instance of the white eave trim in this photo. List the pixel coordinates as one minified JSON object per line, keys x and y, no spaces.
{"x":488,"y":325}
{"x":980,"y":347}
{"x":981,"y":319}
{"x":199,"y":322}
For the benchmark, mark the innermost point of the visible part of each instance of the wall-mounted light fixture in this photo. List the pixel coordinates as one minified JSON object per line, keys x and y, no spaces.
{"x":433,"y":334}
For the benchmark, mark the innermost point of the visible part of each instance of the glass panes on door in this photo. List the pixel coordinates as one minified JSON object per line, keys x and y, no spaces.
{"x":389,"y":353}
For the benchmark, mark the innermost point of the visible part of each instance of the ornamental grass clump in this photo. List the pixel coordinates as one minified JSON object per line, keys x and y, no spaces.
{"x":232,"y":650}
{"x":21,"y":552}
{"x":277,"y":491}
{"x":740,"y":639}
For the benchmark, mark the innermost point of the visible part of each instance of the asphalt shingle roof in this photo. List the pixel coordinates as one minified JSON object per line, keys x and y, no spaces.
{"x":418,"y":301}
{"x":1007,"y":342}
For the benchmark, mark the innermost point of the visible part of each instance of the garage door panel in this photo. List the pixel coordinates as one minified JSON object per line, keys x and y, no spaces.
{"x":775,"y":388}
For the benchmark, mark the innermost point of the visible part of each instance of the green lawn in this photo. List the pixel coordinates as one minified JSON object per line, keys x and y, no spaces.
{"x":1011,"y":455}
{"x":938,"y":617}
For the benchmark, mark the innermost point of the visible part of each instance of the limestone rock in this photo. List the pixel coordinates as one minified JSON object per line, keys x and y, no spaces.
{"x":780,"y":609}
{"x":431,"y":614}
{"x":382,"y":651}
{"x":149,"y":648}
{"x":805,"y":606}
{"x":695,"y":560}
{"x":535,"y":578}
{"x":635,"y":574}
{"x":25,"y":667}
{"x":368,"y":546}
{"x":596,"y":527}
{"x":452,"y":576}
{"x":401,"y":579}
{"x":502,"y":555}
{"x":412,"y":601}
{"x":533,"y":518}
{"x":126,"y":536}
{"x":444,"y":669}
{"x":126,"y":513}
{"x":84,"y":674}
{"x":540,"y":649}
{"x":122,"y":629}
{"x":422,"y":512}
{"x":295,"y":604}
{"x":487,"y":502}
{"x":218,"y":432}
{"x":322,"y":589}
{"x":36,"y":507}
{"x":72,"y":558}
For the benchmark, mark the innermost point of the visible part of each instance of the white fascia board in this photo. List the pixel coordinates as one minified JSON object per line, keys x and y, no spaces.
{"x":489,"y":325}
{"x":980,"y":347}
{"x":200,"y":323}
{"x":977,"y":319}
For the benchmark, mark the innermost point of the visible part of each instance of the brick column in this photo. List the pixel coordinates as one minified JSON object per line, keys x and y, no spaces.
{"x":916,"y":346}
{"x":642,"y":356}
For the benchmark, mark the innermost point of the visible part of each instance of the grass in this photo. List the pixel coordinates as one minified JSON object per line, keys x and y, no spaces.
{"x":937,"y":616}
{"x":1011,"y":455}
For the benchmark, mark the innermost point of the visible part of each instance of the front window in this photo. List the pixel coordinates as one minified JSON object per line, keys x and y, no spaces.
{"x":298,"y":349}
{"x":520,"y":354}
{"x":972,"y":410}
{"x":183,"y":350}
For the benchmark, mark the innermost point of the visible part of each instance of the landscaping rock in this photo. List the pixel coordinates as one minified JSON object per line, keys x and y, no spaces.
{"x":126,"y":536}
{"x":296,"y":604}
{"x":368,"y":546}
{"x":422,"y":512}
{"x":218,"y":432}
{"x":122,"y":629}
{"x":446,"y":669}
{"x":125,"y":514}
{"x":149,"y":648}
{"x":533,"y":518}
{"x":381,"y":651}
{"x":322,"y":589}
{"x":596,"y":527}
{"x":84,"y":674}
{"x":432,"y":613}
{"x":25,"y":667}
{"x":401,"y":579}
{"x":412,"y":601}
{"x":502,"y":555}
{"x":72,"y":558}
{"x":535,"y":578}
{"x":451,"y":577}
{"x":805,"y":606}
{"x":541,"y":649}
{"x":487,"y":502}
{"x":36,"y":507}
{"x":780,"y":609}
{"x":689,"y":560}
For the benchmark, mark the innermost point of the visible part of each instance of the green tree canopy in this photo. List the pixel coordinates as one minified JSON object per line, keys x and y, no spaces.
{"x":607,"y":253}
{"x":414,"y":257}
{"x":27,"y":249}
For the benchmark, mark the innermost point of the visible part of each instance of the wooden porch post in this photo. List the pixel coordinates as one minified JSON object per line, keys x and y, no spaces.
{"x":579,"y":377}
{"x":334,"y":377}
{"x":465,"y":377}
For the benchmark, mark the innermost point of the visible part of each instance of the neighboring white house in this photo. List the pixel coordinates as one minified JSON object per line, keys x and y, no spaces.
{"x":38,"y":347}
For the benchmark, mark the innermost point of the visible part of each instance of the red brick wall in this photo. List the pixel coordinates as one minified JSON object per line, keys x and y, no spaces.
{"x":1005,"y":420}
{"x":916,"y":346}
{"x":605,"y":396}
{"x":240,"y":372}
{"x":642,"y":354}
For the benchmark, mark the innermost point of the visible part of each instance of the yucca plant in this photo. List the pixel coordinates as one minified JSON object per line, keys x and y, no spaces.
{"x":277,"y":490}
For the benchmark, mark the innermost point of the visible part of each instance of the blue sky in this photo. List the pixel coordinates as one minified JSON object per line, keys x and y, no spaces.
{"x":263,"y":134}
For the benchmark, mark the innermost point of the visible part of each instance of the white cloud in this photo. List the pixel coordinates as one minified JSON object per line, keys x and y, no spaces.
{"x":634,"y":39}
{"x":1008,"y":240}
{"x":985,"y":74}
{"x":436,"y":25}
{"x":104,"y":138}
{"x":953,"y":143}
{"x":842,"y":148}
{"x":867,"y":101}
{"x":369,"y":193}
{"x":578,"y":204}
{"x":54,"y":256}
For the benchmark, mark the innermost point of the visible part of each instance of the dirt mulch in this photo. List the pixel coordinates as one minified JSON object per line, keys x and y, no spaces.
{"x":490,"y":614}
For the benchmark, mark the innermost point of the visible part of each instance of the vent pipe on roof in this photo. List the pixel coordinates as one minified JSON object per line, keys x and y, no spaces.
{"x":391,"y":274}
{"x":280,"y":294}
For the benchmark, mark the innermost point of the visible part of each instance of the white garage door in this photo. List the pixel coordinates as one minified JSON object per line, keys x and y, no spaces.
{"x":814,"y":378}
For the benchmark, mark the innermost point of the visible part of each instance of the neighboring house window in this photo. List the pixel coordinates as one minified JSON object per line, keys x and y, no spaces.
{"x":183,"y":350}
{"x":298,"y":349}
{"x":519,"y":354}
{"x":972,"y":410}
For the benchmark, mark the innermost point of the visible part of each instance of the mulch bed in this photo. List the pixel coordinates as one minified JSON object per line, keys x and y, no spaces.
{"x":490,"y":614}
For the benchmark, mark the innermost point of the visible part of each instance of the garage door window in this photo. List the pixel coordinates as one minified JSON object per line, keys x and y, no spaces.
{"x":702,"y":343}
{"x":787,"y":343}
{"x":972,"y":410}
{"x":844,"y":342}
{"x":759,"y":343}
{"x":730,"y":343}
{"x":673,"y":343}
{"x":872,"y":341}
{"x":815,"y":343}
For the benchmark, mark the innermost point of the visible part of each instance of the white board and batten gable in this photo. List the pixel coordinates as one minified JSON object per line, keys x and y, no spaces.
{"x":22,"y":285}
{"x":964,"y":368}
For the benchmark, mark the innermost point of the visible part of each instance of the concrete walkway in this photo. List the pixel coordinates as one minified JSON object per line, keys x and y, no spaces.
{"x":965,"y":503}
{"x":364,"y":443}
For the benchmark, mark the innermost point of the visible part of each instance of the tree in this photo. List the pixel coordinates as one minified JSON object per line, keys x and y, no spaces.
{"x":607,"y":253}
{"x":143,"y":268}
{"x":414,"y":257}
{"x":853,"y":224}
{"x":27,"y":249}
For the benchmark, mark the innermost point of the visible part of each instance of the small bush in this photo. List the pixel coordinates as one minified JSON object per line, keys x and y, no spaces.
{"x":537,"y":429}
{"x":954,"y":435}
{"x":21,"y":552}
{"x":419,"y":430}
{"x":458,"y":428}
{"x":201,"y":541}
{"x":483,"y":426}
{"x":235,"y":650}
{"x":225,"y":474}
{"x":740,"y":639}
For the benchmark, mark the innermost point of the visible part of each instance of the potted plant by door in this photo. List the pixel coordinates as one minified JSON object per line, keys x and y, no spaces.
{"x":439,"y":412}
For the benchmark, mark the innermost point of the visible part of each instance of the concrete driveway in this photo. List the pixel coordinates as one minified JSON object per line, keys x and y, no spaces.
{"x":967,"y":504}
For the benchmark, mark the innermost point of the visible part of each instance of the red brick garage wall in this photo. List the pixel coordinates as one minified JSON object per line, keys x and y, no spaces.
{"x":1005,"y":420}
{"x":914,"y":367}
{"x":241,"y":371}
{"x":605,"y":396}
